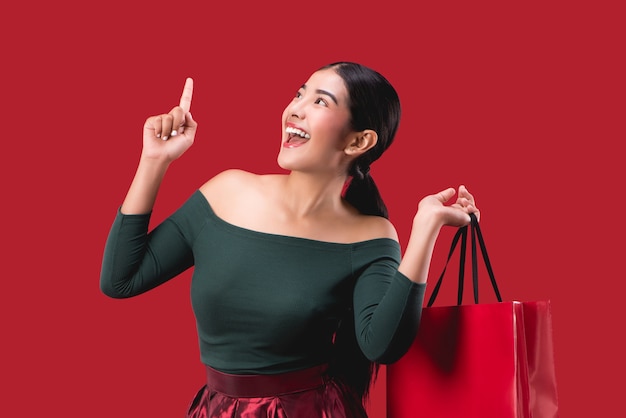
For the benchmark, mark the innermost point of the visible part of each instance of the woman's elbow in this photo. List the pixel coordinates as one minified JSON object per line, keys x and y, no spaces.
{"x":390,"y":352}
{"x":107,"y":288}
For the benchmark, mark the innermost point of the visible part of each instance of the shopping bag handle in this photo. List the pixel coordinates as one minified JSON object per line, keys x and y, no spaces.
{"x":461,"y":235}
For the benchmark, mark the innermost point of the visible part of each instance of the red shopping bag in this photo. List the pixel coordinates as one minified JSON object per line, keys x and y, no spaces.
{"x":489,"y":360}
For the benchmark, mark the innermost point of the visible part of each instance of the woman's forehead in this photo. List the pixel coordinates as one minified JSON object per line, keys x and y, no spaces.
{"x":327,"y":80}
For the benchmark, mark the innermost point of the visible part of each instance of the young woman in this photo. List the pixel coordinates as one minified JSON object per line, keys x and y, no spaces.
{"x":299,"y":288}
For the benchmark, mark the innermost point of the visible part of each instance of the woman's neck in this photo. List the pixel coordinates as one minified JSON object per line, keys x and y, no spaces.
{"x":307,"y":194}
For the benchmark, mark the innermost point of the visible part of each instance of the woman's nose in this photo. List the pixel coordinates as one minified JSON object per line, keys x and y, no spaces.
{"x":297,"y":109}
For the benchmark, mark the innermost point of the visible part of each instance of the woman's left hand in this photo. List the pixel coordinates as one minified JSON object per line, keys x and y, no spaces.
{"x":456,"y":214}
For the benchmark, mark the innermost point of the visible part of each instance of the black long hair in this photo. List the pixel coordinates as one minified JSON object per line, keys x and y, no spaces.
{"x":374,"y":104}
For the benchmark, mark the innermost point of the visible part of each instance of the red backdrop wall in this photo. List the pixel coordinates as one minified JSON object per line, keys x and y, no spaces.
{"x":522,"y":102}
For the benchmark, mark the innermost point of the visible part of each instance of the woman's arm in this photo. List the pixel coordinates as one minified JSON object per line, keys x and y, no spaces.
{"x":388,"y":297}
{"x":165,"y":138}
{"x":134,"y":260}
{"x":431,"y":216}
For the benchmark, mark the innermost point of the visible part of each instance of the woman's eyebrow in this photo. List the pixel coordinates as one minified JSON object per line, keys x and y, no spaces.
{"x":332,"y":96}
{"x":324,"y":92}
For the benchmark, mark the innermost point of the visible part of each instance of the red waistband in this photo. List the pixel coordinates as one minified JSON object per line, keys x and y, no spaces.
{"x":265,"y":385}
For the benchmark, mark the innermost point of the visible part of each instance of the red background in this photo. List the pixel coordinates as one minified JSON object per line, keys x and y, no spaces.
{"x":522,"y":102}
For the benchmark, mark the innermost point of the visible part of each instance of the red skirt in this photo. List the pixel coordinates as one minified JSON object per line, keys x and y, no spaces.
{"x":308,"y":393}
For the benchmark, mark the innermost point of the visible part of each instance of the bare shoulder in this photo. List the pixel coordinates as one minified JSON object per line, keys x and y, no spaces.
{"x":227,"y":178}
{"x":227,"y":183}
{"x":232,"y":193}
{"x":373,"y":227}
{"x":229,"y":189}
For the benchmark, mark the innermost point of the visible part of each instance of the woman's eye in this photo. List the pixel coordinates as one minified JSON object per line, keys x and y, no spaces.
{"x":321,"y":101}
{"x":298,"y":95}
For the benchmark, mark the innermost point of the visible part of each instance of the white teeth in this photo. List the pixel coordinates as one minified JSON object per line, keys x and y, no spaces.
{"x":298,"y":132}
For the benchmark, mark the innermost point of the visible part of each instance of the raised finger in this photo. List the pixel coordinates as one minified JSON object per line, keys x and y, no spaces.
{"x":185,"y":98}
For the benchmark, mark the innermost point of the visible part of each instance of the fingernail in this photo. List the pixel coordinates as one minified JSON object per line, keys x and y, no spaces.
{"x":174,"y":133}
{"x":158,"y":135}
{"x":164,"y":138}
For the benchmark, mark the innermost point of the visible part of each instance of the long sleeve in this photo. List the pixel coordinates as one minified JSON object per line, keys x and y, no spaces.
{"x":387,"y":309}
{"x":136,"y":261}
{"x":266,"y":303}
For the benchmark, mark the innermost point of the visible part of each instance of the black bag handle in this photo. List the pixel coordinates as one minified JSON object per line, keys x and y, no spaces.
{"x":461,"y":235}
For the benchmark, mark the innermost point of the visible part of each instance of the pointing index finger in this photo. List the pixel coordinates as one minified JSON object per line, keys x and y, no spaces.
{"x":185,"y":99}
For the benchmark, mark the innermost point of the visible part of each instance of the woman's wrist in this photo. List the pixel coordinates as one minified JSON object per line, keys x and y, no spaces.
{"x":154,"y":162}
{"x":427,"y":222}
{"x":144,"y":187}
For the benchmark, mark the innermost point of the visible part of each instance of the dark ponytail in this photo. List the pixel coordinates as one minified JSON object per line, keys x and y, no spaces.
{"x":374,"y":104}
{"x":348,"y":363}
{"x":363,"y":194}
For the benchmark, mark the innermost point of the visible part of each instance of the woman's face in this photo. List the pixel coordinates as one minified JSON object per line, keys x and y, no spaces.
{"x":316,"y":126}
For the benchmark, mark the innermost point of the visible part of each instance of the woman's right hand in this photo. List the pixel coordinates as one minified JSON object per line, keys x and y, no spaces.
{"x":167,"y":136}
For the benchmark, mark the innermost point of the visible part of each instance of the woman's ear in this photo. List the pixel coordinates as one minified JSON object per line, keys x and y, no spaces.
{"x":361,"y":142}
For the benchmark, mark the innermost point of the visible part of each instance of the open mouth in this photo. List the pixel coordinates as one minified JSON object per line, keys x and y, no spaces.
{"x":296,"y":136}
